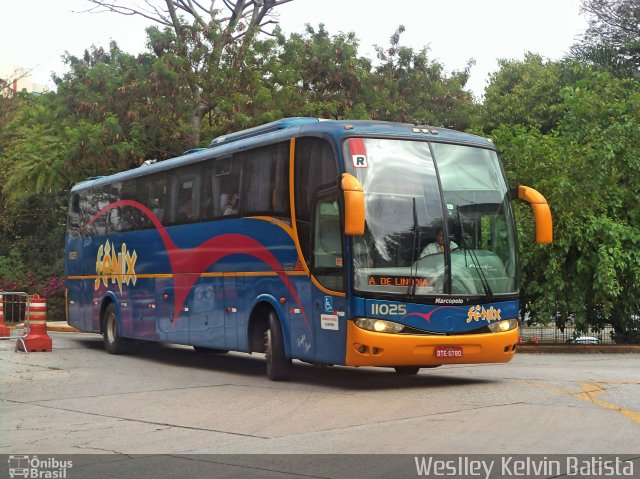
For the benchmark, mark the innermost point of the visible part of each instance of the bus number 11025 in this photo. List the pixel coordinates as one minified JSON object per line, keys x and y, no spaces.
{"x":384,"y":309}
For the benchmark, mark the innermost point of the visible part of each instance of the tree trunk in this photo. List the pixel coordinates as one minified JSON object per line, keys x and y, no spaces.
{"x":196,"y":123}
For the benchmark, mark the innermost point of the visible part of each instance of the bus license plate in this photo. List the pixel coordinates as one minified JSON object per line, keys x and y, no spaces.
{"x":448,"y":351}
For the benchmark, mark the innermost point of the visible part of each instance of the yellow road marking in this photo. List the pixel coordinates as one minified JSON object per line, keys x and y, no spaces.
{"x":590,"y":393}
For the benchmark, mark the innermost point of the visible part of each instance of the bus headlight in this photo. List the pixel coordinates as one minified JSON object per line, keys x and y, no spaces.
{"x":379,"y":325}
{"x":504,"y":325}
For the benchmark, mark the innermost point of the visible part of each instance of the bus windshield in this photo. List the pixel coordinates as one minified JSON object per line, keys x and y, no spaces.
{"x":416,"y":195}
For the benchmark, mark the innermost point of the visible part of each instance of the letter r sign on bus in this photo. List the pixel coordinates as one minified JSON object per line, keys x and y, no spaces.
{"x":359,"y":161}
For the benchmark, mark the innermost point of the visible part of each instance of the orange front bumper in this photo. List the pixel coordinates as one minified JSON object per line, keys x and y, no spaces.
{"x":368,"y":348}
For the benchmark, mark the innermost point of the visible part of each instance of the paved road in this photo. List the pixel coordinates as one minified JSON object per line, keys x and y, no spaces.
{"x":169,"y":399}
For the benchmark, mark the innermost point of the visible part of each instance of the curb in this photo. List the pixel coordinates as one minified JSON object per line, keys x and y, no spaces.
{"x":579,"y":348}
{"x":61,"y":328}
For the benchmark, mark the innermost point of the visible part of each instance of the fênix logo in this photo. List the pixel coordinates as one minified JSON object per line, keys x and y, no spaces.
{"x":479,"y":313}
{"x":37,"y":468}
{"x":117,"y":266}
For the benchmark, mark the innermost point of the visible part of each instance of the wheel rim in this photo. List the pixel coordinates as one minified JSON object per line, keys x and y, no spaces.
{"x":111,"y":328}
{"x":268,"y":347}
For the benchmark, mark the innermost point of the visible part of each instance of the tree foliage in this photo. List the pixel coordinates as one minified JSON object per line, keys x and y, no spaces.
{"x":317,"y":74}
{"x":205,"y":45}
{"x":124,"y":109}
{"x":408,"y":86}
{"x":587,"y":167}
{"x":524,"y":92}
{"x":612,"y":40}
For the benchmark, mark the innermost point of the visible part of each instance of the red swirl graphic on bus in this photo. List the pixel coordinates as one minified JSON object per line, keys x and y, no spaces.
{"x":427,"y":316}
{"x":203,"y":256}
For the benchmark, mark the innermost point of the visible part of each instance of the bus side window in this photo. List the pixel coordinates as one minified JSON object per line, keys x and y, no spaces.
{"x":158,"y":195}
{"x":74,"y":219}
{"x":227,"y":185}
{"x":95,"y":201}
{"x":207,"y":194}
{"x":185,"y":196}
{"x":265,"y":180}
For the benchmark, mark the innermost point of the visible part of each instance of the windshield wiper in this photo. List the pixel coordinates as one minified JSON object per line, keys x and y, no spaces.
{"x":474,"y":259}
{"x":415,"y":255}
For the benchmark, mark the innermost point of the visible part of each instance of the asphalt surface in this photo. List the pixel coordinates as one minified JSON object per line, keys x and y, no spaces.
{"x":173,"y":401}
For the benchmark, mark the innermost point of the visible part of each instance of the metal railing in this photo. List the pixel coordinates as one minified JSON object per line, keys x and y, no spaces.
{"x":16,"y":315}
{"x":551,"y":334}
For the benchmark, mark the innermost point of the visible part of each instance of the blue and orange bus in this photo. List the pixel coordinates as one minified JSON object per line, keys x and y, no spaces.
{"x":357,"y":243}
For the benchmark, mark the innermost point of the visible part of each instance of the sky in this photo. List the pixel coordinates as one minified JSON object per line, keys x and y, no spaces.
{"x":36,"y":33}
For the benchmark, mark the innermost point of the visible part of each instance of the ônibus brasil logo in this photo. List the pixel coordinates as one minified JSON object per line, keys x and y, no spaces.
{"x":117,"y":266}
{"x":33,"y":467}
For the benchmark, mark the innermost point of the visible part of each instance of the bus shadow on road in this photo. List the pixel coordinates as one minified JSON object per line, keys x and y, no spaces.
{"x":348,"y":378}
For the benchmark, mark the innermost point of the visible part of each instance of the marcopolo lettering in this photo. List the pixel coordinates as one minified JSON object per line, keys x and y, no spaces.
{"x":449,"y":301}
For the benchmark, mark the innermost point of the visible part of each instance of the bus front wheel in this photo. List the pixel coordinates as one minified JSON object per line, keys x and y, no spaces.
{"x":277,"y":363}
{"x":113,"y":342}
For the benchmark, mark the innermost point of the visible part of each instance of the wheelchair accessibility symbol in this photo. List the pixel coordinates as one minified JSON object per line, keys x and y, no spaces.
{"x":328,"y":304}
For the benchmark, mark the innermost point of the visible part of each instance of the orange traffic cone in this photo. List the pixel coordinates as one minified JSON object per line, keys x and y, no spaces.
{"x":37,"y":339}
{"x":5,"y":331}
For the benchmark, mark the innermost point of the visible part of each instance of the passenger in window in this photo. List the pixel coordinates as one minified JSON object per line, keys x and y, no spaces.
{"x":186,"y":212}
{"x":207,"y":208}
{"x":156,"y":209}
{"x":231,"y":206}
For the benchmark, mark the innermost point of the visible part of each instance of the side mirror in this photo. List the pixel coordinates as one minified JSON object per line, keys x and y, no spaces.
{"x":353,"y":205}
{"x":541,"y":212}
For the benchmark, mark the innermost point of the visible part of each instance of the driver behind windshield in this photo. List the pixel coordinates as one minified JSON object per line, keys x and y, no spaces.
{"x":438,"y":245}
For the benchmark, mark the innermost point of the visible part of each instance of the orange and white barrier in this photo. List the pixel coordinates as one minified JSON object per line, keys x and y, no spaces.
{"x":37,"y":340}
{"x":5,"y":331}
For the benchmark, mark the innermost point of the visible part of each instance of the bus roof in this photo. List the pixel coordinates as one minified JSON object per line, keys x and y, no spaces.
{"x":281,"y":130}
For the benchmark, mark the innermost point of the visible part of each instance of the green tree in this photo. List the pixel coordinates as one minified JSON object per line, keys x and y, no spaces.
{"x":206,"y":46}
{"x":408,"y":86}
{"x":612,"y":40}
{"x":525,"y":92}
{"x":122,"y":109}
{"x":318,"y":74}
{"x":587,"y":167}
{"x":111,"y":111}
{"x":33,"y":158}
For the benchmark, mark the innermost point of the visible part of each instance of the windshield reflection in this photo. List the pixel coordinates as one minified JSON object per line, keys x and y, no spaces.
{"x":404,"y":250}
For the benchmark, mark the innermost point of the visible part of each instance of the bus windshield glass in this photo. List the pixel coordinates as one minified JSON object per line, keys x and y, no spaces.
{"x":409,"y":215}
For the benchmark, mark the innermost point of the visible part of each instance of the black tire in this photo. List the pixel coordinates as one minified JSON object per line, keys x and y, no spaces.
{"x":203,"y":350}
{"x":407,"y":370}
{"x":113,"y":342}
{"x":278,"y":365}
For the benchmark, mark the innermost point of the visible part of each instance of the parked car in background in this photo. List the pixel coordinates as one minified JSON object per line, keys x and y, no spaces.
{"x":584,"y":340}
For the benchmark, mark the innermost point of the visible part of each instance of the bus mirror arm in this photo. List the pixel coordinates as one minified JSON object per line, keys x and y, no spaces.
{"x":353,"y":205}
{"x":541,"y":212}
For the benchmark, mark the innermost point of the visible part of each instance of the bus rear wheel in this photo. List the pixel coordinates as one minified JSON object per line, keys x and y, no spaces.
{"x":277,"y":363}
{"x":407,"y":370}
{"x":113,"y":342}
